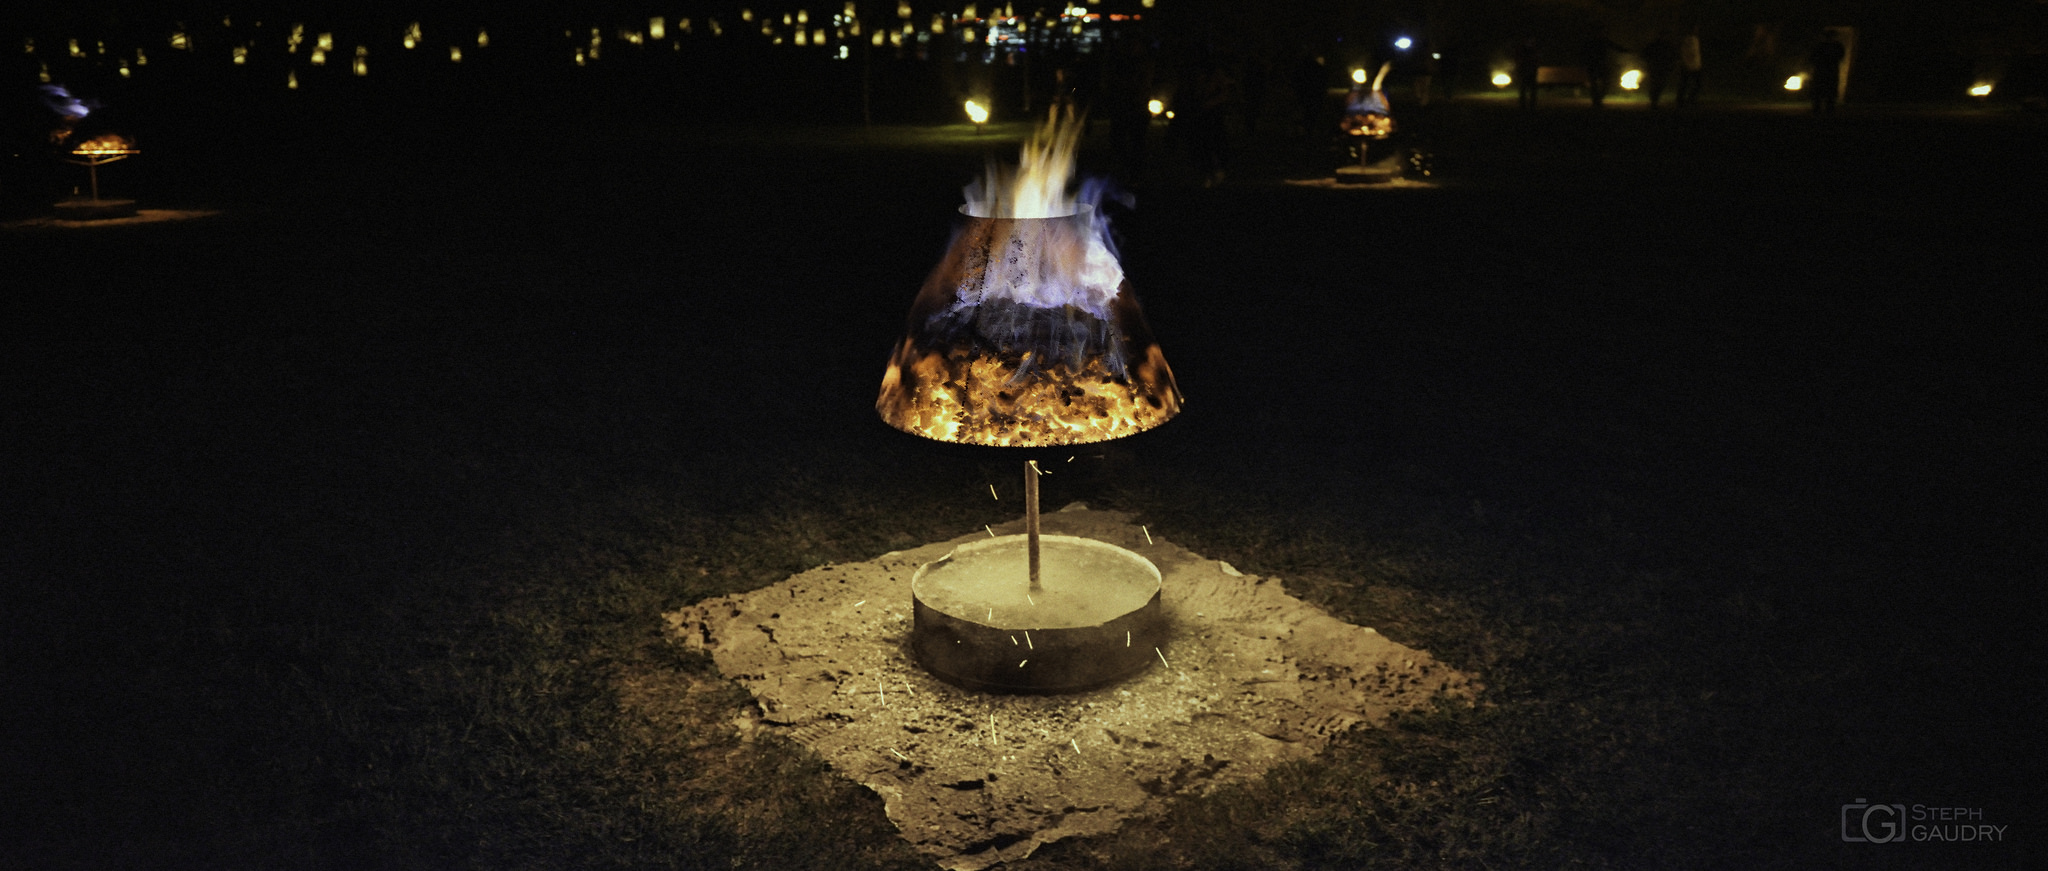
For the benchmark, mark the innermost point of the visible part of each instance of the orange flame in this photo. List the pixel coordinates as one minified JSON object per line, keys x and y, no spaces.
{"x":962,"y":394}
{"x":109,"y":143}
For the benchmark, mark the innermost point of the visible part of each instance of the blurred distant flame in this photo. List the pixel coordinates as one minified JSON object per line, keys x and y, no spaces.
{"x":105,"y":144}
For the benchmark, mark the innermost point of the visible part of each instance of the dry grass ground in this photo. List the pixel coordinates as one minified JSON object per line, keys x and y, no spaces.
{"x":342,"y":521}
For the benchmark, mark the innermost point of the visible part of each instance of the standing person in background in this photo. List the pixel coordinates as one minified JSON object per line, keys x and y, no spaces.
{"x":1528,"y":65}
{"x":1597,"y":54}
{"x":1310,"y":82}
{"x":1825,"y":64}
{"x":1426,"y":64}
{"x":1660,"y":62}
{"x":1202,"y":101}
{"x":1690,"y":70}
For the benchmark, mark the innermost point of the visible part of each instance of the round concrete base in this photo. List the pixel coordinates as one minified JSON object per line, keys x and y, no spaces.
{"x":1095,"y":618}
{"x":1372,"y":174}
{"x":88,"y":209}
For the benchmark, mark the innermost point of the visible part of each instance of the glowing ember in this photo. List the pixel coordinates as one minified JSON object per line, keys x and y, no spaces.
{"x":106,"y":144}
{"x":1026,"y":333}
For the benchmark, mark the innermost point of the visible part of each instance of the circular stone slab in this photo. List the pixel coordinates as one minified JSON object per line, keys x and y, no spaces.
{"x":1095,"y":618}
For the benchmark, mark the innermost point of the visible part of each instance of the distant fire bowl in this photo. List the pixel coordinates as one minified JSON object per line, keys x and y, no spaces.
{"x":1095,"y":618}
{"x":88,"y":209}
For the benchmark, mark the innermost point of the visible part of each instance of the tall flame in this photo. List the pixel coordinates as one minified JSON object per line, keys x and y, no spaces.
{"x":1026,"y":333}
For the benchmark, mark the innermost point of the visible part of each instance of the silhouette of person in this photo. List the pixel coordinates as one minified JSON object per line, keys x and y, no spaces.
{"x":1597,"y":55}
{"x":1825,"y":62}
{"x":1527,"y":67}
{"x":1201,"y":105}
{"x":1309,"y":81}
{"x":1690,"y":69}
{"x":1660,"y":62}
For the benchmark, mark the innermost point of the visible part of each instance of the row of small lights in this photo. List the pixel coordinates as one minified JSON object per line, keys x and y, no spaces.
{"x":1633,"y":79}
{"x":846,"y":23}
{"x":317,"y":56}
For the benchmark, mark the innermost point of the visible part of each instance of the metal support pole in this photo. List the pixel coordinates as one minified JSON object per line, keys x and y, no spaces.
{"x":1031,"y":517}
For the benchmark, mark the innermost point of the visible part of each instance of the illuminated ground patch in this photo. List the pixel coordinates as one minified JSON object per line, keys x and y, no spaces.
{"x":1251,"y":677}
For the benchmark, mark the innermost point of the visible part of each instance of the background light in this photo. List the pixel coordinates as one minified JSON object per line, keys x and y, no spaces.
{"x":1795,"y":83}
{"x":1403,"y":43}
{"x":1502,"y":80}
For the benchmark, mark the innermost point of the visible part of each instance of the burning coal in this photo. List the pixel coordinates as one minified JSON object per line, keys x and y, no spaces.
{"x":1027,"y":333}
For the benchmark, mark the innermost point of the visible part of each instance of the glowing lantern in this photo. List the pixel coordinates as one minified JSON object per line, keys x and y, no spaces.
{"x":291,"y":80}
{"x":657,"y":28}
{"x":241,"y":55}
{"x":28,"y":46}
{"x":938,"y":24}
{"x":141,"y":60}
{"x":75,"y":50}
{"x":124,"y":69}
{"x":849,"y":10}
{"x":716,"y":28}
{"x":875,"y":39}
{"x":580,"y":59}
{"x":1502,"y":80}
{"x":1631,"y":80}
{"x":1795,"y":83}
{"x":977,"y":113}
{"x":179,"y":41}
{"x":896,"y":39}
{"x":362,"y":64}
{"x":969,"y":12}
{"x":903,"y":9}
{"x":802,"y":38}
{"x":1155,"y":107}
{"x":746,"y":14}
{"x":324,"y":42}
{"x":1145,"y":3}
{"x":318,"y":58}
{"x":99,"y":46}
{"x":412,"y":35}
{"x":1981,"y":89}
{"x":818,"y":36}
{"x":967,"y":34}
{"x":803,"y":16}
{"x":1358,"y":75}
{"x":43,"y":72}
{"x":455,"y":54}
{"x":483,"y":38}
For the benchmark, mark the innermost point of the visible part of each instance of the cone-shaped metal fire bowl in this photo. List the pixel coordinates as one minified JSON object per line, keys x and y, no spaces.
{"x":1093,"y":619}
{"x":1027,"y":335}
